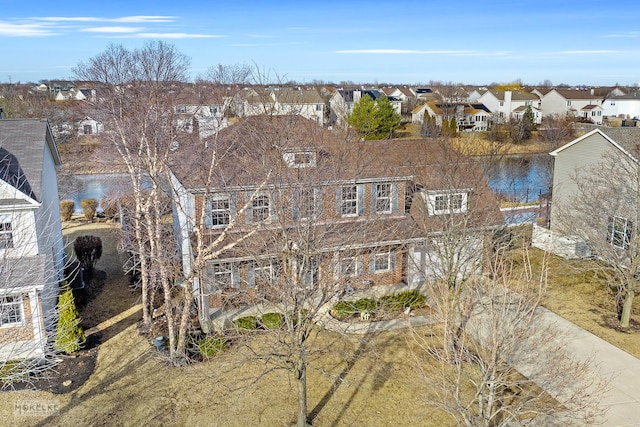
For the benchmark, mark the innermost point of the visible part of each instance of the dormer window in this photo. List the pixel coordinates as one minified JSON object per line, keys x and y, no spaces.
{"x":300,"y":159}
{"x":446,"y":202}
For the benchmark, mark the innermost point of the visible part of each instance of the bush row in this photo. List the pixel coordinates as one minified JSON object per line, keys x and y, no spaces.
{"x":412,"y":299}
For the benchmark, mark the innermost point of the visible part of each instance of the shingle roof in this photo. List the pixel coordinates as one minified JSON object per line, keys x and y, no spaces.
{"x":576,"y":94}
{"x":20,"y":273}
{"x":22,"y":145}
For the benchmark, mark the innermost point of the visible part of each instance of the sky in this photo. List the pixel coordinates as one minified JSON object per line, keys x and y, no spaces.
{"x":410,"y":42}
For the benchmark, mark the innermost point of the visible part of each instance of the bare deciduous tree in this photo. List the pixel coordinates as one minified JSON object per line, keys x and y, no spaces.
{"x":508,"y":365}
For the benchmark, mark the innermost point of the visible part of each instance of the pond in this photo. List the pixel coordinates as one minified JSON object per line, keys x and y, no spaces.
{"x":92,"y":186}
{"x":520,"y":178}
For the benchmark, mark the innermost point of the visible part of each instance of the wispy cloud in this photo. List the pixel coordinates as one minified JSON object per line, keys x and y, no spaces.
{"x":25,"y":30}
{"x":419,"y":52}
{"x":129,"y":19}
{"x":627,"y":35}
{"x":175,"y":36}
{"x":112,"y":30}
{"x":587,"y":52}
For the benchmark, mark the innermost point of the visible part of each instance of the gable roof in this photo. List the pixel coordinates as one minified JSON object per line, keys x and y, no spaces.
{"x":598,"y":131}
{"x":575,"y":94}
{"x":22,"y":147}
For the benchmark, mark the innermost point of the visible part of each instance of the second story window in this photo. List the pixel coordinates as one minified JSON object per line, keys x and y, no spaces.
{"x":260,"y":208}
{"x":306,"y":203}
{"x":300,"y":159}
{"x":219,"y":211}
{"x":383,"y":196}
{"x":6,"y":235}
{"x":349,"y":200}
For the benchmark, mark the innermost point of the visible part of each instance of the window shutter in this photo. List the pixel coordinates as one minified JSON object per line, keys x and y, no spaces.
{"x":610,"y":230}
{"x":233,"y":206}
{"x":318,"y":208}
{"x":208,"y":220}
{"x":359,"y":266}
{"x":248,"y":212}
{"x":235,"y":276}
{"x":394,"y":197}
{"x":628,"y":234}
{"x":273,"y":206}
{"x":251,"y":275}
{"x":339,"y":201}
{"x":296,"y":202}
{"x":392,"y":259}
{"x":361,"y":188}
{"x":374,"y":198}
{"x":372,"y":262}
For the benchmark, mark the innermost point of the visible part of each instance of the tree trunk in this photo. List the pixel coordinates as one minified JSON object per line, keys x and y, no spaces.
{"x":626,"y":309}
{"x":301,"y":378}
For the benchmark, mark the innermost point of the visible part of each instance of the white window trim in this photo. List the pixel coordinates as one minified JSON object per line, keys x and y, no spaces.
{"x":20,"y":305}
{"x":389,"y":198}
{"x":313,"y":209}
{"x":216,"y":198}
{"x":342,"y":201}
{"x":270,"y":208}
{"x":624,"y":232}
{"x":386,"y":254}
{"x":431,"y":202}
{"x":7,"y":220}
{"x":291,"y":159}
{"x":355,"y":264}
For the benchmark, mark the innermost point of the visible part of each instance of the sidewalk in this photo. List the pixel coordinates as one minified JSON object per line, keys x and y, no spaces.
{"x":622,"y":400}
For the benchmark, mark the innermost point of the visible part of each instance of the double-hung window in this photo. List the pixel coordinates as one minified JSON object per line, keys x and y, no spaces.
{"x":306,"y":203}
{"x":383,"y":197}
{"x":350,"y":264}
{"x":260,"y":206}
{"x":349,"y":200}
{"x":619,"y":232}
{"x":382,"y":260}
{"x":10,"y":310}
{"x":6,"y":235}
{"x":220,"y":211}
{"x":222,"y":275}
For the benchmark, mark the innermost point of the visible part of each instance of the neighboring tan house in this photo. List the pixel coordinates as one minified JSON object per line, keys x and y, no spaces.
{"x":567,"y":102}
{"x":31,"y":246}
{"x":377,"y":206}
{"x":280,"y":101}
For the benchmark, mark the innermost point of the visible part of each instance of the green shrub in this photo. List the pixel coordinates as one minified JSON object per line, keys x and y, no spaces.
{"x":344,"y":309}
{"x":246,"y":323}
{"x":210,"y":346}
{"x":89,"y":207}
{"x":69,"y":334}
{"x":413,"y":299}
{"x":272,"y":320}
{"x":13,"y":371}
{"x":67,"y":208}
{"x":366,"y":304}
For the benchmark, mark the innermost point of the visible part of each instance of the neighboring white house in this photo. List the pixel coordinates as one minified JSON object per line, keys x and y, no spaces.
{"x":503,"y":103}
{"x":623,"y":106}
{"x":89,"y":126}
{"x":31,"y":246}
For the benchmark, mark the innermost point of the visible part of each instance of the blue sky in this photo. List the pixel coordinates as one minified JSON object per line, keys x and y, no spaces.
{"x":474,"y":42}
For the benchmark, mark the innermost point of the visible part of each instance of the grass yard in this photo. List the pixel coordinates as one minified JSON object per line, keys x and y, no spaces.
{"x":577,"y":291}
